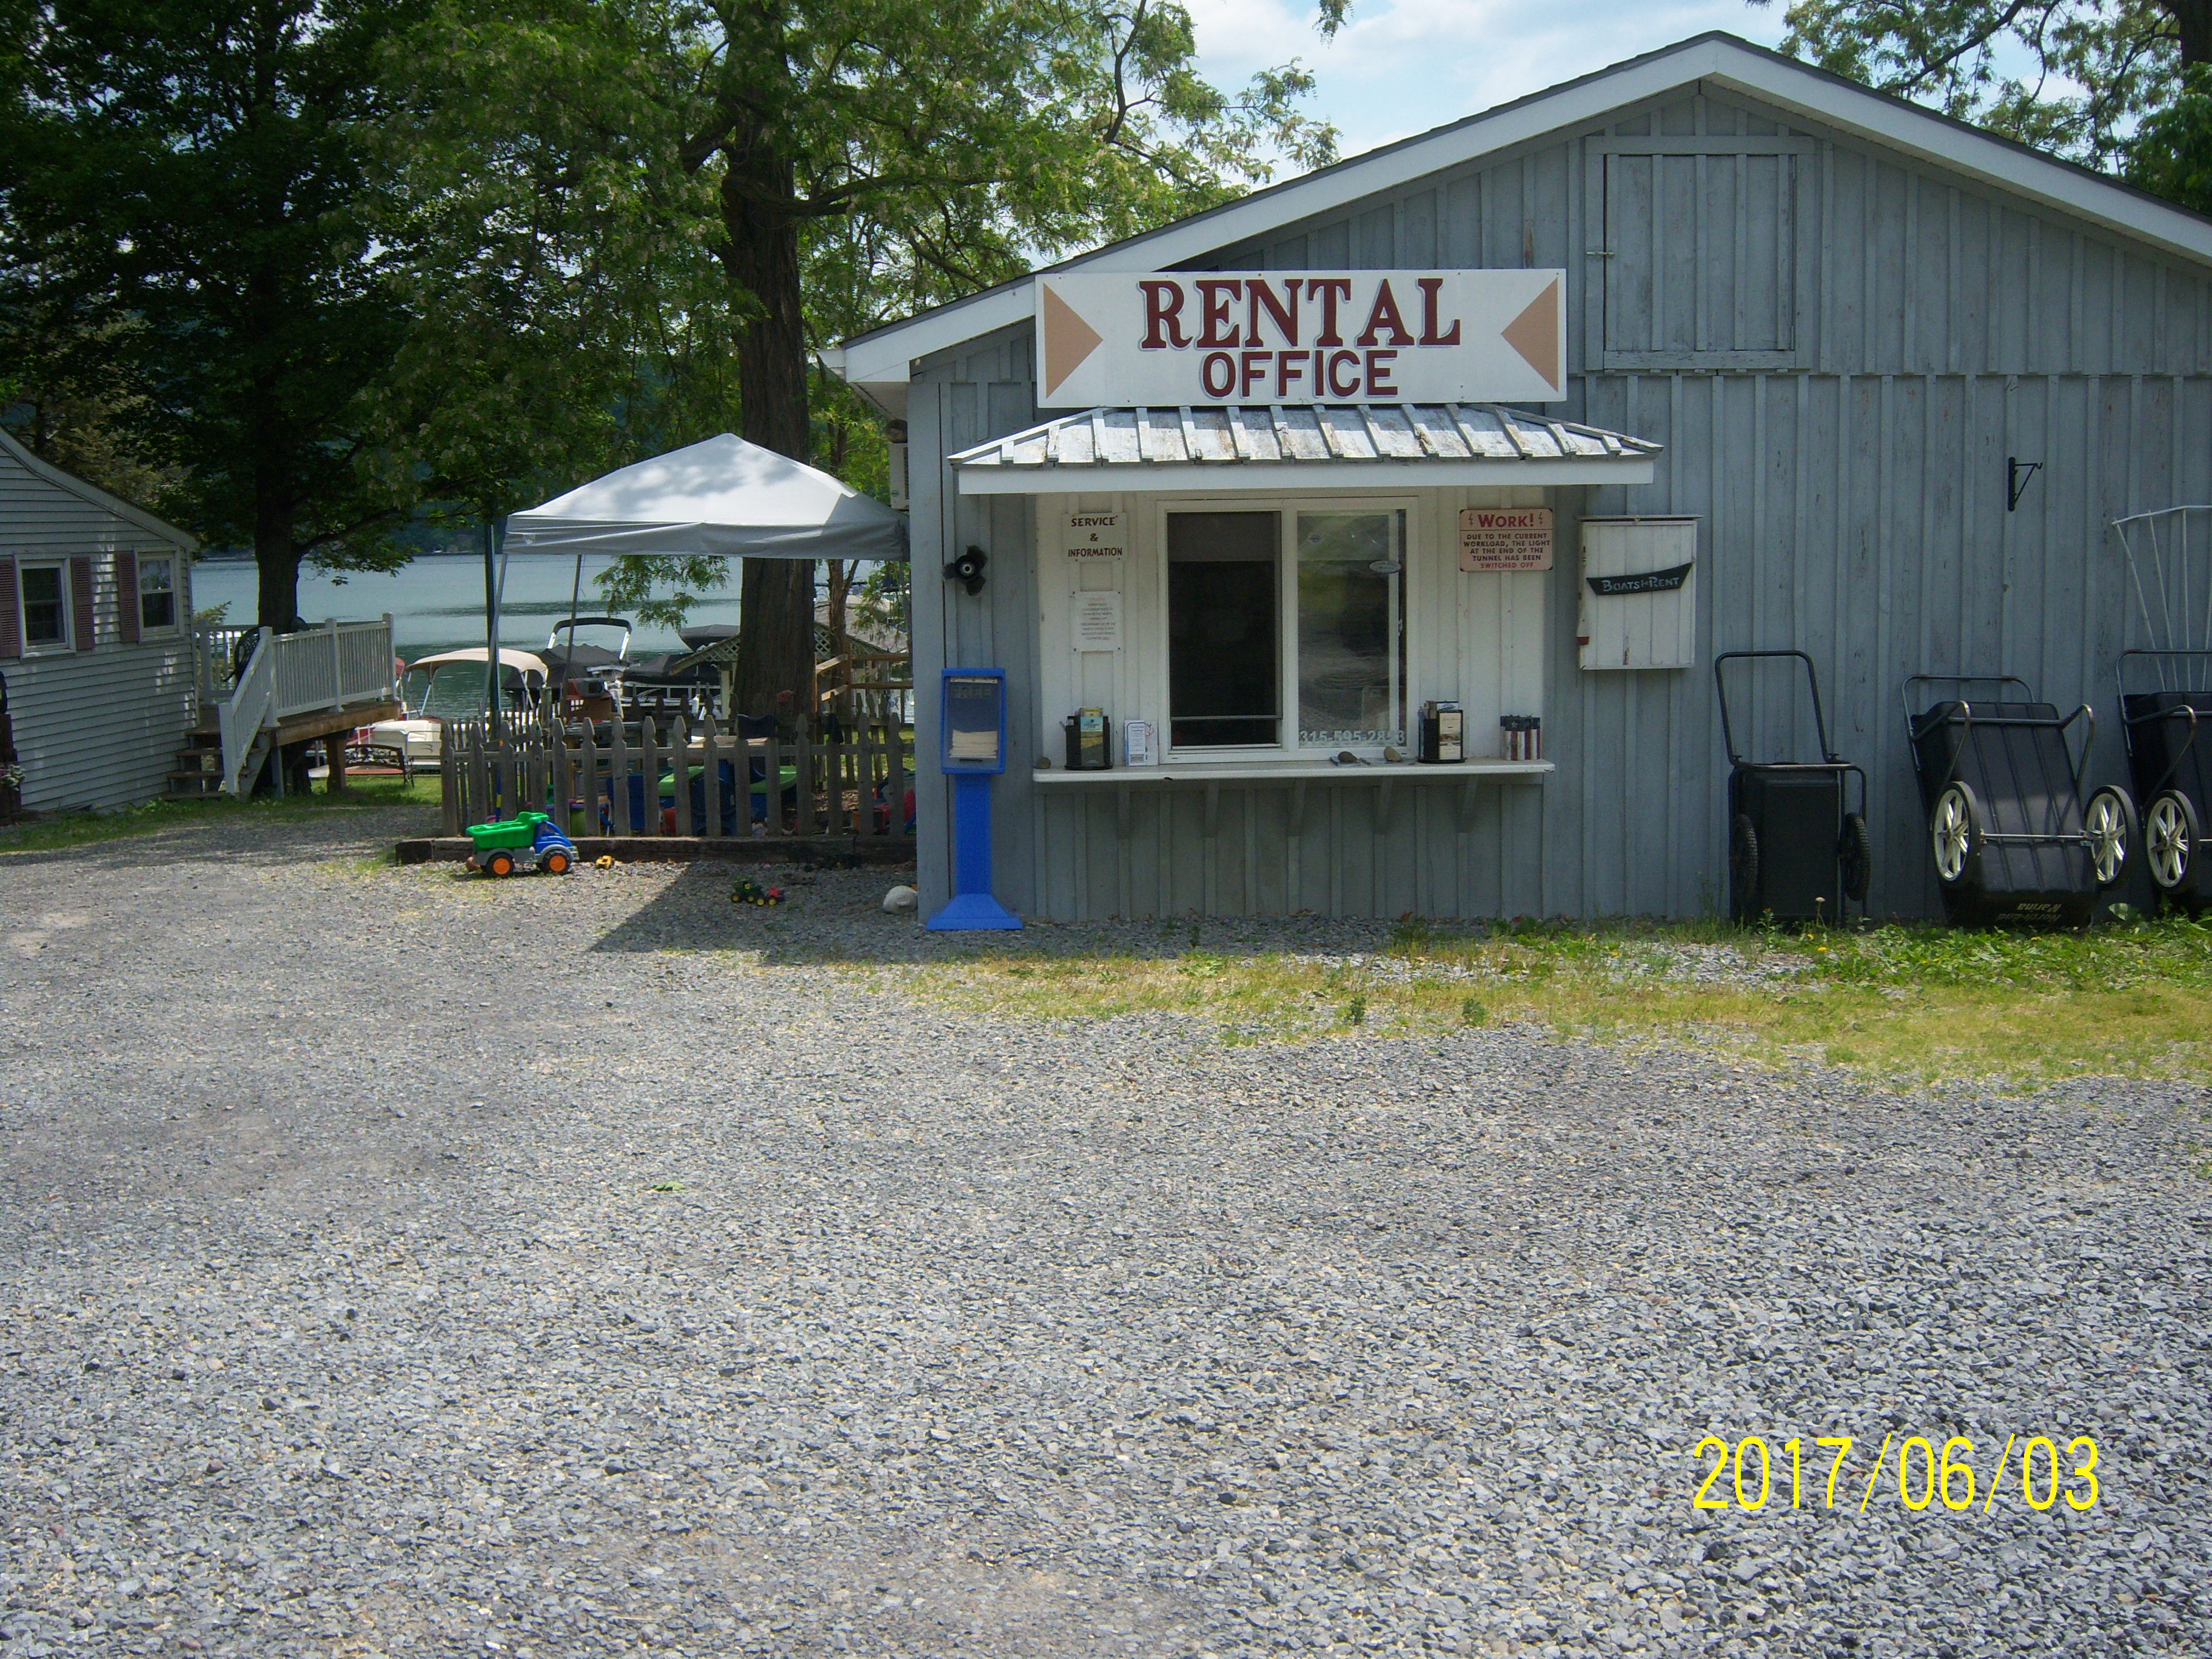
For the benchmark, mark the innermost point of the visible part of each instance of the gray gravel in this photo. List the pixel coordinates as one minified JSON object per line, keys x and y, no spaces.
{"x":402,"y":1264}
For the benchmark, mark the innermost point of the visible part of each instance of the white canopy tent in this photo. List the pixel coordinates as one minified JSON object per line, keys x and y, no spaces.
{"x":723,"y":498}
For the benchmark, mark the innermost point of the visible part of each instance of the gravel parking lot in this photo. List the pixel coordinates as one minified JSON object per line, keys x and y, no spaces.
{"x":400,"y":1263}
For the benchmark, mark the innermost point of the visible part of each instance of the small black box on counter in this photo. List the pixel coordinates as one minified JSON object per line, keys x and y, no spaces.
{"x":1444,"y":734}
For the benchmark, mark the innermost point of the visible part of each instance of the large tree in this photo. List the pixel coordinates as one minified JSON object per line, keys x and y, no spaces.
{"x":182,"y":195}
{"x":2072,"y":76}
{"x":872,"y":156}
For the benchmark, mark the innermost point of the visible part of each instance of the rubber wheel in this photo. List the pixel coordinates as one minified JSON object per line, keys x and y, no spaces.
{"x":1856,"y":855}
{"x":555,"y":862}
{"x":500,"y":864}
{"x":2111,"y":821}
{"x":2170,"y":838}
{"x":1956,"y":829}
{"x":1743,"y":866}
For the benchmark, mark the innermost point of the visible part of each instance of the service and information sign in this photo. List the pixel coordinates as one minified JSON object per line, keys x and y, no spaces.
{"x":1094,"y":535}
{"x":1505,"y":538}
{"x":1171,"y":337}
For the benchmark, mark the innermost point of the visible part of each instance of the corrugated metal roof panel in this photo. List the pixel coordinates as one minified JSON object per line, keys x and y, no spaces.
{"x":1319,"y":434}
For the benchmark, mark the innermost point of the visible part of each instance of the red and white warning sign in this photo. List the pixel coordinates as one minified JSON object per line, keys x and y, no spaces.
{"x":1505,"y":538}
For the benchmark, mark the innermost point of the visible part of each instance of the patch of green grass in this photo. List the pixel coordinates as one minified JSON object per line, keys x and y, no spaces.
{"x":1911,"y":1003}
{"x":85,"y":828}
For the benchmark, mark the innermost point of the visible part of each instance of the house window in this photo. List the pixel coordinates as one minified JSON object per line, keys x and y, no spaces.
{"x":1319,"y":623}
{"x":46,"y":606}
{"x":157,"y":593}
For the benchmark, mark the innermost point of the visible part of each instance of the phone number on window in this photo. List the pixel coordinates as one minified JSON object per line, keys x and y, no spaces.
{"x":1924,"y":1473}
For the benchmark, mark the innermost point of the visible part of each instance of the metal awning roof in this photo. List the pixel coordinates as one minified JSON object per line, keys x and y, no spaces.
{"x":1301,"y":447}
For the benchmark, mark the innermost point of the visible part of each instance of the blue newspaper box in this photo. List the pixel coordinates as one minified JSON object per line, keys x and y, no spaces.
{"x":972,"y":745}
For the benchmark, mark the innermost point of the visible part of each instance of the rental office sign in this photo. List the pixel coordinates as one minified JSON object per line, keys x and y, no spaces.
{"x":1170,"y":337}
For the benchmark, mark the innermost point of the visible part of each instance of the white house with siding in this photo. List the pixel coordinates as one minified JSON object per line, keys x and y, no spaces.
{"x":96,"y":637}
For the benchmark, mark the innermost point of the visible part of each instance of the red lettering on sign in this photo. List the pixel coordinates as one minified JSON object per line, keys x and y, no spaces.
{"x":1255,"y":369}
{"x":1331,"y":289}
{"x":1226,"y":364}
{"x":1430,"y":288}
{"x":1162,"y":312}
{"x":1379,"y":384}
{"x":1288,"y":366}
{"x":1337,"y":360}
{"x":1385,"y":315}
{"x":1285,"y":311}
{"x":1214,"y":294}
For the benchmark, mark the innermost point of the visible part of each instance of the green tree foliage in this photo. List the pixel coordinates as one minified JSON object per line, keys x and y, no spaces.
{"x":2070,"y":76}
{"x":184,"y":241}
{"x":2171,"y":153}
{"x":871,"y":157}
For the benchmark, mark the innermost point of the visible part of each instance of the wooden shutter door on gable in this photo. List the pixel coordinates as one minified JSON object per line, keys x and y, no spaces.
{"x":11,"y":613}
{"x":80,"y":570}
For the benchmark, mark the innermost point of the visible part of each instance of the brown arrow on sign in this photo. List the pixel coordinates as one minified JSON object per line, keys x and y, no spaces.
{"x":1535,"y":334}
{"x":1068,"y":341}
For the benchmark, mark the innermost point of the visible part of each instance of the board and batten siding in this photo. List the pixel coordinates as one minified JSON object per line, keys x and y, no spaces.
{"x":1849,"y":471}
{"x":102,"y":727}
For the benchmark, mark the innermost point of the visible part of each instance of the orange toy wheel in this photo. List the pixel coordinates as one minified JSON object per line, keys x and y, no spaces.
{"x":500,"y":864}
{"x":556,"y":862}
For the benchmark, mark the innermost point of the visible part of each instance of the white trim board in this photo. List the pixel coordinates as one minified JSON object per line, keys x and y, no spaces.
{"x":881,"y":362}
{"x":1202,"y":479}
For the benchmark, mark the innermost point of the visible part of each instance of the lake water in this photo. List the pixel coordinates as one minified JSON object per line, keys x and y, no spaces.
{"x":437,"y":601}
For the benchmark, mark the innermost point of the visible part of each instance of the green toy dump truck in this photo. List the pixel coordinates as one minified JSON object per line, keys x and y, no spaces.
{"x":526,"y":841}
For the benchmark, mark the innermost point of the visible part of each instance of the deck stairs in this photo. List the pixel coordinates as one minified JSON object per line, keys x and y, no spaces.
{"x":291,"y":688}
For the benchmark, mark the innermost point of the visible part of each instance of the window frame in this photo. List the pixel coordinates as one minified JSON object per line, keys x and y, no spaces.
{"x":45,"y":648}
{"x":1286,"y":506}
{"x":158,"y":629}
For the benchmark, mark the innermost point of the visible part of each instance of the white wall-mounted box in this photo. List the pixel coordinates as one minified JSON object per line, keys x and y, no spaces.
{"x":1639,"y":593}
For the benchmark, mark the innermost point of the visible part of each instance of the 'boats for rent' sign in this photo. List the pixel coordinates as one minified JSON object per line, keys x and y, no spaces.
{"x":1302,"y":336}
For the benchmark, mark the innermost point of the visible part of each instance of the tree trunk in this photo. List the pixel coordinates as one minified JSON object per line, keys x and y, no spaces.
{"x":276,"y":559}
{"x":776,"y":616}
{"x":2193,"y":19}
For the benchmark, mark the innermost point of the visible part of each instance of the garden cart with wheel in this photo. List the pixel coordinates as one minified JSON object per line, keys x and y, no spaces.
{"x":1798,"y":847}
{"x":2170,"y":764}
{"x":2012,"y":837}
{"x":528,"y":840}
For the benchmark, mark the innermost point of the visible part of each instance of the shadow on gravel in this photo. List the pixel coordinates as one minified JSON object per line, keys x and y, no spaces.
{"x":835,"y":917}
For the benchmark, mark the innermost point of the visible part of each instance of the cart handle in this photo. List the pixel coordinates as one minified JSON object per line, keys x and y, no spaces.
{"x":1812,"y":681}
{"x":2128,"y":723}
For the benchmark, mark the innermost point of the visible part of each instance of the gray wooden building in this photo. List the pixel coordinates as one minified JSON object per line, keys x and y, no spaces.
{"x":1813,"y":320}
{"x":96,"y":637}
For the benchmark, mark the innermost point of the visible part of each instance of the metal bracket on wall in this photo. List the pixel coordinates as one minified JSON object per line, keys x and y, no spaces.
{"x":1384,"y":798}
{"x":2017,"y":473}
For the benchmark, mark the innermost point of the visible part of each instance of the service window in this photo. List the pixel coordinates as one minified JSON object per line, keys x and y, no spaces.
{"x":46,"y":606}
{"x":1304,"y":606}
{"x":157,"y":592}
{"x":1225,"y":676}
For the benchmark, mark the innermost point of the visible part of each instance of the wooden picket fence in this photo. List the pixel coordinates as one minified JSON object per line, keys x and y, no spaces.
{"x":608,"y":783}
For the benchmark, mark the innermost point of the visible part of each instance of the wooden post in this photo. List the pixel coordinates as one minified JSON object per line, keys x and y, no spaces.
{"x":590,"y":780}
{"x":618,"y":783}
{"x":337,"y":666}
{"x":710,"y":750}
{"x":648,"y":740}
{"x":897,"y":787}
{"x":449,"y":786}
{"x":680,"y":740}
{"x":334,"y":748}
{"x":772,"y":784}
{"x":802,"y":755}
{"x":480,"y":795}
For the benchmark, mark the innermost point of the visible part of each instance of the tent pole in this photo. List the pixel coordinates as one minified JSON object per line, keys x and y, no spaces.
{"x":575,"y":598}
{"x":491,"y":629}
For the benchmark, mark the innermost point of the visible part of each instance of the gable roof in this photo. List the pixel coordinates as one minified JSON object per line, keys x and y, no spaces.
{"x":69,"y":483}
{"x":878,"y":362}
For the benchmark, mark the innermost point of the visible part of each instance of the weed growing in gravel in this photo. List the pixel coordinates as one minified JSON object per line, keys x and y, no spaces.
{"x":1911,"y":1003}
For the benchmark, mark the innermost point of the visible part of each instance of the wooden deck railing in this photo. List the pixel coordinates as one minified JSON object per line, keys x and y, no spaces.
{"x":337,"y":666}
{"x":606,"y":780}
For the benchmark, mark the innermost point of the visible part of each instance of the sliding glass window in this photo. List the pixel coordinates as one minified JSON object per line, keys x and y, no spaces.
{"x":1224,"y":676}
{"x":1352,"y":629}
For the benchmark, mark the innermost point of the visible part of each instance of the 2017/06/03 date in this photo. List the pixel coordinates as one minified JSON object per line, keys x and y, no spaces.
{"x":1948,"y":1474}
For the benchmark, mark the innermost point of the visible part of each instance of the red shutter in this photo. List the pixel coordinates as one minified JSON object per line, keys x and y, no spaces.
{"x":81,"y":602}
{"x":12,"y":616}
{"x":126,"y":596}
